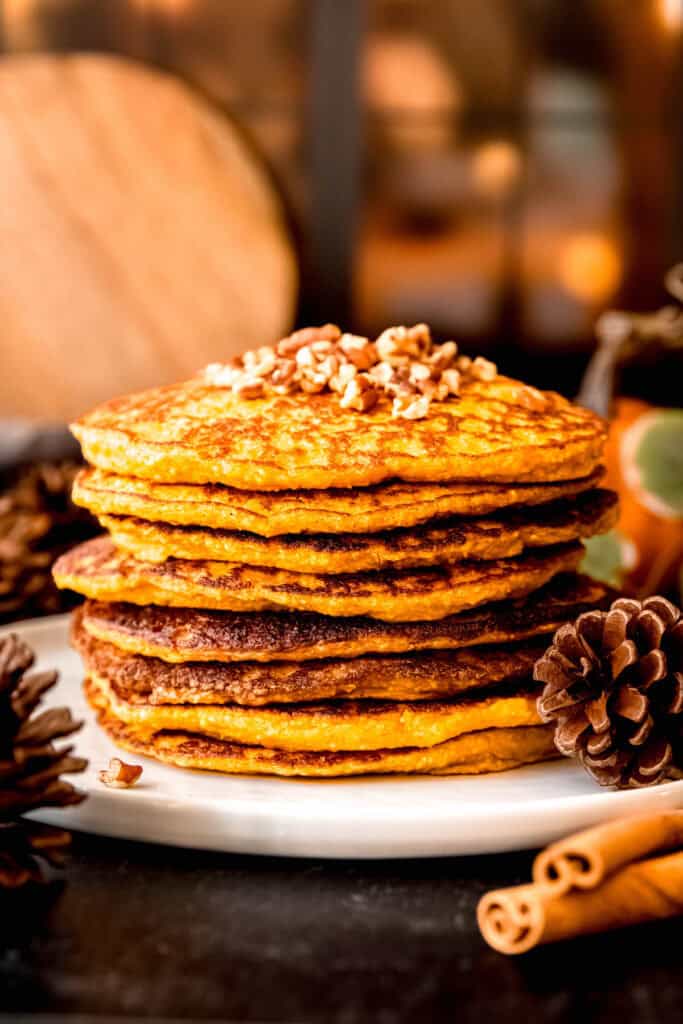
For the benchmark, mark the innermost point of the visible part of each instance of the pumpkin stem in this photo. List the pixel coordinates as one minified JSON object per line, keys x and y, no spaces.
{"x":623,"y":337}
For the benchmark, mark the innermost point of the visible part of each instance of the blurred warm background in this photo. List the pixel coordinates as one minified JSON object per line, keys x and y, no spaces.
{"x":503,"y":170}
{"x":506,"y":170}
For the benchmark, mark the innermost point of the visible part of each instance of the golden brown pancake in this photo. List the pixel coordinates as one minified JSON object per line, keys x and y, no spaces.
{"x":335,"y":725}
{"x":269,"y":513}
{"x":186,"y":634}
{"x":194,"y":433}
{"x":442,"y":543}
{"x":489,"y":750}
{"x":98,"y":570}
{"x":426,"y":675}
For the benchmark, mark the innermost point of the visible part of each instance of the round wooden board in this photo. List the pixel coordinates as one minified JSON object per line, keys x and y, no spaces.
{"x":141,"y":237}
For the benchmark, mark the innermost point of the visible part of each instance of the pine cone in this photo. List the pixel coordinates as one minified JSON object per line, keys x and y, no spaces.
{"x":31,"y":765}
{"x":38,"y":521}
{"x":614,"y":685}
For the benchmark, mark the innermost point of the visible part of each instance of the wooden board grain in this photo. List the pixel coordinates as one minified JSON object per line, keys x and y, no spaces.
{"x":140,"y":237}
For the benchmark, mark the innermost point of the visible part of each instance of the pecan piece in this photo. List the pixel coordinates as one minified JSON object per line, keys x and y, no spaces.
{"x":410,"y":407}
{"x":311,"y":382}
{"x":260,"y":362}
{"x":383,"y":374}
{"x":442,"y":357}
{"x":283,"y":373}
{"x":249,"y":387}
{"x":360,"y":394}
{"x":120,"y":775}
{"x":451,"y":378}
{"x":483,"y":369}
{"x":419,"y":373}
{"x":290,"y":345}
{"x":358,"y":350}
{"x":220,"y":375}
{"x":343,"y":377}
{"x":305,"y":358}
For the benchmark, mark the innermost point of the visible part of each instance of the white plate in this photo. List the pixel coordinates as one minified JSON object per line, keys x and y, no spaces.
{"x":395,"y":816}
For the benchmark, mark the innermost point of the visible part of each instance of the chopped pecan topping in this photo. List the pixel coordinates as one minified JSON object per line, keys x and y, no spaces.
{"x":402,"y":364}
{"x":120,"y":775}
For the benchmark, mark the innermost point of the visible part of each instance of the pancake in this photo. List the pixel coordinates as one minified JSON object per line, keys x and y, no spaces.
{"x":489,"y":750}
{"x":194,"y":433}
{"x":335,"y":725}
{"x":185,"y":634}
{"x":427,"y":675}
{"x":444,"y":542}
{"x":98,"y":570}
{"x":362,"y":510}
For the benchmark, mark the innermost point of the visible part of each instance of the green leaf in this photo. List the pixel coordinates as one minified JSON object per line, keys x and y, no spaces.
{"x":605,"y":559}
{"x":659,"y":459}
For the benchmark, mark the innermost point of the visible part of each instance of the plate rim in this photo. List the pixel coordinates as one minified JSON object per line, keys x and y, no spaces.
{"x":165,"y":812}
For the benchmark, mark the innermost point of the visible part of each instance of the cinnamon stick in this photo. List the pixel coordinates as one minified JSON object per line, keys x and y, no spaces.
{"x":584,"y":860}
{"x":515,"y":920}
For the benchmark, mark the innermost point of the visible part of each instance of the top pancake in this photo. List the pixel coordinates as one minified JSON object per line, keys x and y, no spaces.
{"x":342,"y":510}
{"x":194,"y":433}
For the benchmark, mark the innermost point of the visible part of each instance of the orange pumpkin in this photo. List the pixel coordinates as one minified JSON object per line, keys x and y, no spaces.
{"x":655,"y":532}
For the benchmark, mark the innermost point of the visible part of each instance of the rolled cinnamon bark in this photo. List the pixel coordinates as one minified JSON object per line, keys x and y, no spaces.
{"x":584,"y":860}
{"x":515,"y":920}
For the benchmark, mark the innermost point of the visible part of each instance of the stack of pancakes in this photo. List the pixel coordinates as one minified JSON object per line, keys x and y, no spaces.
{"x":293,"y":588}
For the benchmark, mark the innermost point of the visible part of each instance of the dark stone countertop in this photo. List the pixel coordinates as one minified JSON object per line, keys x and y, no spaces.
{"x":141,"y":931}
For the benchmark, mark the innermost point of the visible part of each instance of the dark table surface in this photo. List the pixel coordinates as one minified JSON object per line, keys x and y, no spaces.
{"x":140,"y":931}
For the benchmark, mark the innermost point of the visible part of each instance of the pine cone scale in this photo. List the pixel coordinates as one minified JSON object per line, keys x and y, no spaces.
{"x":654,"y":758}
{"x":625,"y":655}
{"x":596,"y":713}
{"x":629,"y":703}
{"x":598,"y":744}
{"x":614,"y":630}
{"x":52,"y":724}
{"x":675,"y":705}
{"x":651,"y":668}
{"x":674,"y":641}
{"x":589,"y":631}
{"x":641,"y":735}
{"x":28,"y":694}
{"x":567,"y":646}
{"x":568,"y":734}
{"x":651,"y":629}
